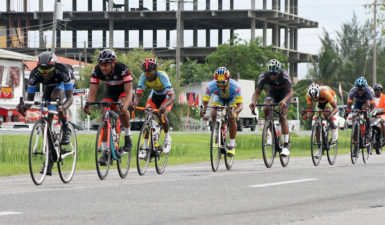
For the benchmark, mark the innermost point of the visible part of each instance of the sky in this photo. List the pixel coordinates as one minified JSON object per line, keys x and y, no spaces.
{"x":330,"y":15}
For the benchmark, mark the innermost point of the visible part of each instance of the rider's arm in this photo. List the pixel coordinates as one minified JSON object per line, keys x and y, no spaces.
{"x":335,"y":108}
{"x":92,"y":93}
{"x":128,"y":90}
{"x":239,"y":108}
{"x":68,"y":102}
{"x":256,"y":95}
{"x":288,"y":96}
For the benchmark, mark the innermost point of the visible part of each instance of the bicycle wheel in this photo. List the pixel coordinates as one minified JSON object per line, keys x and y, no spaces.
{"x":144,"y":144}
{"x":316,"y":146}
{"x":229,"y":159}
{"x":68,"y":155}
{"x":354,"y":143}
{"x":38,"y":153}
{"x":268,"y":144}
{"x":161,"y":157}
{"x":102,"y":170}
{"x":124,"y":161}
{"x":215,"y":147}
{"x":367,"y":150}
{"x":333,"y":148}
{"x":284,"y":159}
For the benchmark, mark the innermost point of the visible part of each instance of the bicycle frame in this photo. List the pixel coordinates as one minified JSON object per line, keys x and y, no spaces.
{"x":325,"y":126}
{"x":222,"y":119}
{"x":270,"y":119}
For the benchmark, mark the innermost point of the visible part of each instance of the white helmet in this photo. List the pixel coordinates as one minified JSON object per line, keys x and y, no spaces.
{"x":313,"y":90}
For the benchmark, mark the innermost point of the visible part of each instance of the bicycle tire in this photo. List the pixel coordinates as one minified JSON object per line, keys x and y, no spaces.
{"x":354,"y":143}
{"x":332,"y":151}
{"x":229,"y":159}
{"x":38,"y":142}
{"x":367,"y":150}
{"x":215,"y":147}
{"x":268,"y":156}
{"x":284,"y":159}
{"x":142,"y":164}
{"x":161,"y":158}
{"x":67,"y":163}
{"x":124,"y":161}
{"x":316,"y":146}
{"x":102,"y":171}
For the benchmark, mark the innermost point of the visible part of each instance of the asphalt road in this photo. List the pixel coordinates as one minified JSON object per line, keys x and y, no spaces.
{"x":192,"y":194}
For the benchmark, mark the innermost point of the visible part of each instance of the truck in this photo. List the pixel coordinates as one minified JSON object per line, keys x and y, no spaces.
{"x":245,"y":119}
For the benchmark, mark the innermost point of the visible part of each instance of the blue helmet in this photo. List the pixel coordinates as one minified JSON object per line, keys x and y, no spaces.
{"x":361,"y":83}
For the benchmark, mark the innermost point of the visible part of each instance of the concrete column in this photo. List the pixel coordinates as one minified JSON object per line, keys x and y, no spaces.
{"x":286,"y":38}
{"x":286,"y":6}
{"x":207,"y":37}
{"x":41,"y":22}
{"x":220,"y":36}
{"x":89,"y":5}
{"x":126,"y":5}
{"x":279,"y":5}
{"x":275,"y":5}
{"x":252,"y":4}
{"x":126,"y":38}
{"x":296,"y":7}
{"x":167,"y":38}
{"x":207,"y":4}
{"x":58,"y":38}
{"x":291,"y":38}
{"x":264,"y":4}
{"x":74,"y":38}
{"x":195,"y":5}
{"x":264,"y":33}
{"x":231,"y":4}
{"x":291,"y":70}
{"x":195,"y":36}
{"x":104,"y":5}
{"x":8,"y":5}
{"x":141,"y":37}
{"x":220,"y":5}
{"x":154,"y":38}
{"x":111,"y":25}
{"x":295,"y":39}
{"x":89,"y":39}
{"x":274,"y":35}
{"x":154,"y":5}
{"x":140,"y":3}
{"x":252,"y":28}
{"x":104,"y":38}
{"x":74,"y":5}
{"x":167,"y":5}
{"x":291,"y":7}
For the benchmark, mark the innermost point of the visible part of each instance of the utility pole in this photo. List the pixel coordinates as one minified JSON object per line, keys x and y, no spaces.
{"x":54,"y":26}
{"x":179,"y":37}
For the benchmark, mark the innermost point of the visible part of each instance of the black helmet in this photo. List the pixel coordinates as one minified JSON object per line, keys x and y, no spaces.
{"x":46,"y":59}
{"x":377,"y":87}
{"x":106,"y":56}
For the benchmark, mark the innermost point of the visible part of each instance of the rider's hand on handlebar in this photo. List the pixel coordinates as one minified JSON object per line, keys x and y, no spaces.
{"x":252,"y":106}
{"x":282,"y":105}
{"x":162,"y":109}
{"x":305,"y":116}
{"x":21,"y":109}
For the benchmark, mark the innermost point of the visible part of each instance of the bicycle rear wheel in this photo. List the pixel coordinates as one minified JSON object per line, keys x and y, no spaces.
{"x":124,"y":161}
{"x":68,"y":155}
{"x":102,"y":170}
{"x":316,"y":146}
{"x":215,"y":147}
{"x":161,"y":157}
{"x":268,"y":144}
{"x":333,"y":148}
{"x":354,"y":143}
{"x":38,"y":153}
{"x":144,"y":144}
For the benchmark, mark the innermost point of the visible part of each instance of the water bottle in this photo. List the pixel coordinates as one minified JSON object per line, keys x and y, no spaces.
{"x":155,"y":135}
{"x":278,"y":130}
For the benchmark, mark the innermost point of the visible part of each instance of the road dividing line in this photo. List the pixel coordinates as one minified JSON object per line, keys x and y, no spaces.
{"x":9,"y":213}
{"x":281,"y":183}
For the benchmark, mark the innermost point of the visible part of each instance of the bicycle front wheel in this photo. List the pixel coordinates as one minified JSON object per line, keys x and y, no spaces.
{"x":367,"y":150}
{"x":333,"y":148}
{"x":316,"y":145}
{"x":283,"y":158}
{"x":229,"y":159}
{"x":268,"y":144}
{"x":68,"y":155}
{"x":215,"y":147}
{"x":354,"y":143}
{"x":160,"y":157}
{"x":102,"y":168}
{"x":143,"y":150}
{"x":124,"y":160}
{"x":38,"y":153}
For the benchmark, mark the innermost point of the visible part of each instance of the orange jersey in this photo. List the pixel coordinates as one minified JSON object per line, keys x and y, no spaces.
{"x":326,"y":95}
{"x":381,"y":101}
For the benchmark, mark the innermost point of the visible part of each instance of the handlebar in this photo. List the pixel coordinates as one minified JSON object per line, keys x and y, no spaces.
{"x":146,"y":110}
{"x":104,"y":103}
{"x":268,"y":105}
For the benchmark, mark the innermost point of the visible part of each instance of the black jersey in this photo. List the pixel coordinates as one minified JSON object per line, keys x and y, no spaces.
{"x":282,"y":83}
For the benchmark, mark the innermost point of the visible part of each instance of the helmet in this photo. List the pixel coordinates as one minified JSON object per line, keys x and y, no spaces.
{"x":106,"y":56}
{"x":377,"y":87}
{"x":149,"y":65}
{"x":273,"y":66}
{"x":221,"y":74}
{"x":361,"y":83}
{"x":313,"y":90}
{"x":46,"y":60}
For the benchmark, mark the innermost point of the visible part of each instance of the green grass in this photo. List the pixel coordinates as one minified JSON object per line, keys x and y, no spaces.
{"x":187,"y":148}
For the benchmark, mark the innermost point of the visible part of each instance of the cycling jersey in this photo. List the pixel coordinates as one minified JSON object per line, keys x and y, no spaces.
{"x":326,"y":94}
{"x":380,"y":102}
{"x":160,"y":86}
{"x":368,"y":95}
{"x":283,"y":83}
{"x":60,"y":79}
{"x":115,"y":82}
{"x":232,"y":94}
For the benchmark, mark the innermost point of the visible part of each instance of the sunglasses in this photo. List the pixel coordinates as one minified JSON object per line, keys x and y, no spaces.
{"x":222,"y":82}
{"x":273,"y":72}
{"x":149,"y":73}
{"x":45,"y":70}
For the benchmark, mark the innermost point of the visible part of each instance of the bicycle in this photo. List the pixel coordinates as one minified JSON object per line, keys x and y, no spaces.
{"x":358,"y":137}
{"x":320,"y":130}
{"x":154,"y":145}
{"x":220,"y":138}
{"x":45,"y":146}
{"x":110,"y":126}
{"x":271,"y":137}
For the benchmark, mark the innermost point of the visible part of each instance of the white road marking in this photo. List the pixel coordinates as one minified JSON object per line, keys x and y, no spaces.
{"x":9,"y":213}
{"x":281,"y":183}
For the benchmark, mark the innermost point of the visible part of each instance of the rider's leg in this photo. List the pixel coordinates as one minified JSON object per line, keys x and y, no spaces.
{"x":125,"y":118}
{"x":167,"y":137}
{"x":59,"y":93}
{"x":232,"y":129}
{"x":368,"y":133}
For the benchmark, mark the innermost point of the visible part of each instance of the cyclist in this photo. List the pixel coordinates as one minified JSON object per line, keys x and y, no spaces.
{"x":118,"y":80}
{"x":161,"y":97}
{"x":57,"y":81}
{"x":324,"y":95}
{"x":227,"y":92}
{"x":280,"y":91}
{"x":379,"y":101}
{"x":364,"y":99}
